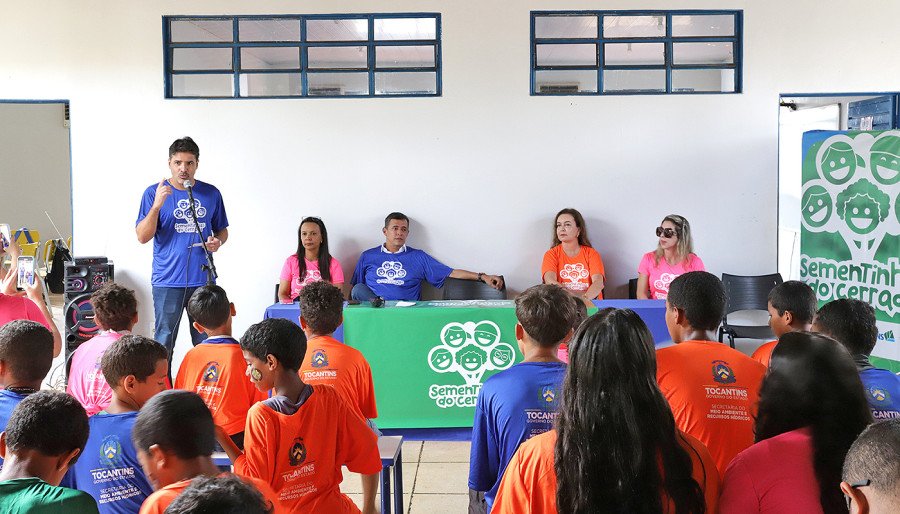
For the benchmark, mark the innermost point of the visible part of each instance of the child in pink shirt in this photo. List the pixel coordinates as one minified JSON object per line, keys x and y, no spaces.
{"x":115,"y":312}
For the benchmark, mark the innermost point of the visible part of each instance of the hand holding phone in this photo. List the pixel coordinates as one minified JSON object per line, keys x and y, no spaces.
{"x":25,"y":270}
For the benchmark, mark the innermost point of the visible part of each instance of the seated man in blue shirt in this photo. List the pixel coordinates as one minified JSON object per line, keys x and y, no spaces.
{"x":395,"y":271}
{"x":852,"y":323}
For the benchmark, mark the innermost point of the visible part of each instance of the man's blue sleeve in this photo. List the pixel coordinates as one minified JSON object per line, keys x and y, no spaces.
{"x":435,"y":271}
{"x":219,"y":219}
{"x":146,"y":204}
{"x":359,"y":274}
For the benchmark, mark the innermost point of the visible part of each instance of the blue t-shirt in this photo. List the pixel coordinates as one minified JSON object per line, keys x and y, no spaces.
{"x":108,"y":468}
{"x":513,"y":406}
{"x":398,"y":276}
{"x":8,"y":402}
{"x":175,"y":233}
{"x":883,"y":392}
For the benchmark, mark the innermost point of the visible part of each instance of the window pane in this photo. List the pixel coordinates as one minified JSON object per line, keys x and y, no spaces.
{"x":703,"y":80}
{"x":398,"y":83}
{"x":200,"y":31}
{"x":338,"y":57}
{"x":566,"y":82}
{"x":565,"y":26}
{"x":393,"y":29}
{"x":703,"y":53}
{"x":277,"y":58}
{"x":279,"y":29}
{"x":703,"y":25}
{"x":338,"y":84}
{"x":634,"y":81}
{"x":337,"y":30}
{"x":201,"y":59}
{"x":404,"y":56}
{"x":634,"y":26}
{"x":567,"y":55}
{"x":203,"y":85}
{"x":270,"y":84}
{"x":634,"y":53}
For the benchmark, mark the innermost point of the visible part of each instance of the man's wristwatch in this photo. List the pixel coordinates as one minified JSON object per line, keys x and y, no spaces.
{"x":480,"y":275}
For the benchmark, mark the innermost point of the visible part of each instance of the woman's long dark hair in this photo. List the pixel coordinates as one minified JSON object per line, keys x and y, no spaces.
{"x":617,"y":448}
{"x":324,"y":256}
{"x":579,"y":222}
{"x":813,"y":382}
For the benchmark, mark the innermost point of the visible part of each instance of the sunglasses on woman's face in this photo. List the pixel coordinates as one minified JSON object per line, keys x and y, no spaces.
{"x":665,"y":232}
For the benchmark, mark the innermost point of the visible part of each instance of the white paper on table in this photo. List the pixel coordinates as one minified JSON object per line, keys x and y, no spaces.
{"x":405,"y":304}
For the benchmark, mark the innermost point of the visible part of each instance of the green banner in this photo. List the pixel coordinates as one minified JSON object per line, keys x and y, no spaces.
{"x":850,"y":234}
{"x":430,"y":359}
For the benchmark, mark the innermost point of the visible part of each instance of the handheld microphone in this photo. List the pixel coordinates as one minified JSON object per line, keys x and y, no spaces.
{"x":187,"y":184}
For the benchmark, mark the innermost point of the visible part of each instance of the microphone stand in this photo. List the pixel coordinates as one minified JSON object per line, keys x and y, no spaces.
{"x":210,"y":266}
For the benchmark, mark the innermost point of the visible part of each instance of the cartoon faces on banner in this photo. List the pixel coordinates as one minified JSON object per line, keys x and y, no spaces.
{"x":471,"y":349}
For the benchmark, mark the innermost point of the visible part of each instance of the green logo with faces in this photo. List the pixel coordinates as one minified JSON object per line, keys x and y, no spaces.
{"x":471,"y":349}
{"x":885,"y":162}
{"x":863,"y":206}
{"x":838,"y":162}
{"x":816,"y":206}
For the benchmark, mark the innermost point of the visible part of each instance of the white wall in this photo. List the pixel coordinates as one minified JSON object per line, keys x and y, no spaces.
{"x":481,"y":170}
{"x":34,"y":159}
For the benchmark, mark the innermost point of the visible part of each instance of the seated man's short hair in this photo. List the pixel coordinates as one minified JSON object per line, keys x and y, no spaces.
{"x":875,"y":456}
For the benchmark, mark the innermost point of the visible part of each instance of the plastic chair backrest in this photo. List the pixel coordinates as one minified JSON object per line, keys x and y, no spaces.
{"x":31,"y":249}
{"x":25,"y":236}
{"x":459,"y":289}
{"x":748,"y":292}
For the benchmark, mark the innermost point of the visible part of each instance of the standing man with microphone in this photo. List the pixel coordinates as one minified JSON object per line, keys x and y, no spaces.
{"x":167,"y":216}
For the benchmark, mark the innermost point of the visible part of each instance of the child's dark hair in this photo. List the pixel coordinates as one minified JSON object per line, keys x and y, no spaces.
{"x":114,"y":306}
{"x":224,"y":494}
{"x":321,"y":305}
{"x":851,"y":323}
{"x":278,"y":337}
{"x":796,"y":297}
{"x":547,"y":313}
{"x":131,"y":355}
{"x":209,"y":306}
{"x":50,"y":422}
{"x":26,"y":347}
{"x":179,"y":422}
{"x":701,"y":296}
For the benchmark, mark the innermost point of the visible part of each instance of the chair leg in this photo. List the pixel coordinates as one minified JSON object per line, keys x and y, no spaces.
{"x":398,"y":484}
{"x":731,"y":340}
{"x":385,"y":490}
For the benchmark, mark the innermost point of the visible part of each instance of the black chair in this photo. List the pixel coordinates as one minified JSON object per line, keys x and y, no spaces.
{"x":460,"y":289}
{"x":747,"y":293}
{"x":632,"y":289}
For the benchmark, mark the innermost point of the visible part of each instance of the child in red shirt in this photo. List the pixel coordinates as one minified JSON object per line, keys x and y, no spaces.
{"x":214,"y":369}
{"x":332,"y":363}
{"x":298,"y":440}
{"x":174,"y":435}
{"x":792,"y":306}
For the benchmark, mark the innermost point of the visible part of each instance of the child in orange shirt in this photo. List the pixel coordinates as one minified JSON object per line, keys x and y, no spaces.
{"x":226,"y":494}
{"x":214,"y":369}
{"x":711,"y":388}
{"x":331,"y":362}
{"x":298,"y":440}
{"x":174,"y":435}
{"x":792,"y":306}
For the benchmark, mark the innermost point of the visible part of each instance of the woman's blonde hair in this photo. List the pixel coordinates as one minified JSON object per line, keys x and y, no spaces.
{"x":685,"y":246}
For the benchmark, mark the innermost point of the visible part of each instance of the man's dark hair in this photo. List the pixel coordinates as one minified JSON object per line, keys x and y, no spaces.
{"x":701,"y":296}
{"x":26,"y":347}
{"x":184,"y":144}
{"x":321,"y":305}
{"x":131,"y":355}
{"x":547,"y":313}
{"x":851,"y":322}
{"x":224,"y":494}
{"x":796,"y":297}
{"x":278,"y":337}
{"x":209,"y":306}
{"x":50,"y":422}
{"x":114,"y":306}
{"x":179,"y":422}
{"x":395,"y":216}
{"x":875,"y":456}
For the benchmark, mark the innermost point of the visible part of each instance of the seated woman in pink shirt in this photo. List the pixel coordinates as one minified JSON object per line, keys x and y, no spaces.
{"x":572,"y":262}
{"x":673,"y":256}
{"x":115,"y":312}
{"x":811,"y":409}
{"x":311,"y":263}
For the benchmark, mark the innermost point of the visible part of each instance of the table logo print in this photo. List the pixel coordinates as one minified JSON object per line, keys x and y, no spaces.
{"x":391,"y":272}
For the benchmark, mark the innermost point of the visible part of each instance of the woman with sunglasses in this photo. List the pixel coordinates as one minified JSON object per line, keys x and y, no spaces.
{"x":311,"y":263}
{"x":571,"y":261}
{"x":673,"y":256}
{"x":812,"y":406}
{"x":615,"y":447}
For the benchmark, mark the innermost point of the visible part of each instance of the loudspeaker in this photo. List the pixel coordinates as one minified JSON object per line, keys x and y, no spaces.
{"x":82,"y":277}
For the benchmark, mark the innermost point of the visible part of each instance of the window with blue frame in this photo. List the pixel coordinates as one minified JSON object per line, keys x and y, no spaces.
{"x":296,"y":56}
{"x":635,"y":52}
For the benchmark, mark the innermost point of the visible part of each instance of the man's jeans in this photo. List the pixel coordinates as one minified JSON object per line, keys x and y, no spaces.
{"x":362,"y":293}
{"x":169,"y":304}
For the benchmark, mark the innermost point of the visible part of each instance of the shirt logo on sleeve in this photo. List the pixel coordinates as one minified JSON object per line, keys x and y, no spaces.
{"x":298,"y":452}
{"x":211,"y":373}
{"x":722,"y":373}
{"x":391,"y":272}
{"x":183,"y":212}
{"x":319,"y":358}
{"x":879,"y":395}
